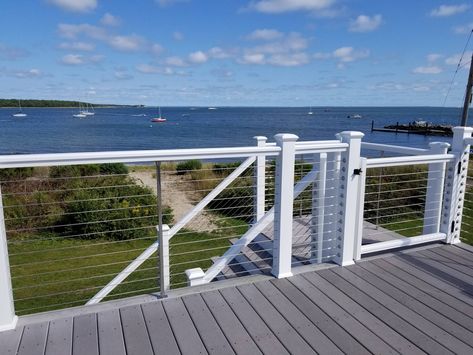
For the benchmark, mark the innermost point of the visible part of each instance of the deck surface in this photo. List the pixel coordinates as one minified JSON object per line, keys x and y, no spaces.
{"x":408,"y":303}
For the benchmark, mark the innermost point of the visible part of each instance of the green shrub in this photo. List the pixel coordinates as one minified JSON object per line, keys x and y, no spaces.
{"x":188,"y":165}
{"x":15,"y":174}
{"x":113,"y":169}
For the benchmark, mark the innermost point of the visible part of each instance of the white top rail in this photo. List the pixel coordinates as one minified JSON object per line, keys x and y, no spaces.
{"x":393,"y":148}
{"x":469,"y":141}
{"x":408,"y":160}
{"x":133,"y":156}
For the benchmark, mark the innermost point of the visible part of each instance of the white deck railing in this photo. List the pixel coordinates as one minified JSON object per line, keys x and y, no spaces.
{"x":331,"y":193}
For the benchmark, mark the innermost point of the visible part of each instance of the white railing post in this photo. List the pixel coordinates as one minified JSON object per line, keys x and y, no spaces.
{"x":349,"y":206}
{"x":8,"y":318}
{"x":164,"y":280}
{"x":283,"y":205}
{"x":260,"y":181}
{"x":455,"y":185}
{"x":318,"y":209}
{"x":434,"y":195}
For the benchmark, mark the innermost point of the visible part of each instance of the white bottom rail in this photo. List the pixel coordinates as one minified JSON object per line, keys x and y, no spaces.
{"x":404,"y":242}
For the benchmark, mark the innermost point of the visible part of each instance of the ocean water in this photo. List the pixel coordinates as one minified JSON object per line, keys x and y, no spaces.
{"x":47,"y":130}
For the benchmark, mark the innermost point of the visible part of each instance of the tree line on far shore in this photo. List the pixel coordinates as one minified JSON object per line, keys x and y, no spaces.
{"x":45,"y":103}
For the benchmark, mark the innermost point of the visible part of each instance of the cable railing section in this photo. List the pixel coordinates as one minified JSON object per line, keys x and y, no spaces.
{"x":82,"y":228}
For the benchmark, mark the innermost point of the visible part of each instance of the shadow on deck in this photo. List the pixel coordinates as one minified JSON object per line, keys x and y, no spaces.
{"x":416,"y":301}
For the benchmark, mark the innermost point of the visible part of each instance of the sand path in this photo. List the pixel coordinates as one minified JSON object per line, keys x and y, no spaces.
{"x":177,"y":191}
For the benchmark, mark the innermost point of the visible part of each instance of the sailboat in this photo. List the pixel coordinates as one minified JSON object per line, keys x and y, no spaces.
{"x":310,"y":111}
{"x":86,"y":111}
{"x":20,"y":111}
{"x":80,"y":114}
{"x":158,"y":119}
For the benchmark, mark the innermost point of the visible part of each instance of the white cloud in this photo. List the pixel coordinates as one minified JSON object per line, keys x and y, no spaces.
{"x":79,"y":59}
{"x":198,"y":57}
{"x":462,"y":30}
{"x":109,"y":20}
{"x":455,"y":59}
{"x":77,"y":46}
{"x":364,"y":23}
{"x":449,"y":10}
{"x":122,"y":75}
{"x":130,"y":43}
{"x":350,"y":54}
{"x":289,"y":60}
{"x":153,"y":69}
{"x":75,"y":5}
{"x":432,"y":69}
{"x":219,"y":53}
{"x":264,"y":34}
{"x":433,"y":57}
{"x":253,"y":58}
{"x":157,"y":49}
{"x":73,"y":31}
{"x":32,"y":73}
{"x":175,"y":61}
{"x":280,"y":6}
{"x":178,"y":36}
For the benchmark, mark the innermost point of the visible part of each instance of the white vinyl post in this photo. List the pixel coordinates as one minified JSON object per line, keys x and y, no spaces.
{"x":8,"y":318}
{"x":350,"y":173}
{"x":165,"y":282}
{"x":260,"y":181}
{"x":283,"y":205}
{"x":318,"y":209}
{"x":435,"y":184}
{"x":455,"y":185}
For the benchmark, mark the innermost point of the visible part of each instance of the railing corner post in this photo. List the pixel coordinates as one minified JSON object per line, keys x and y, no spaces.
{"x":165,"y":282}
{"x":350,"y":210}
{"x":8,"y":318}
{"x":283,"y":205}
{"x":455,"y":185}
{"x":260,"y":181}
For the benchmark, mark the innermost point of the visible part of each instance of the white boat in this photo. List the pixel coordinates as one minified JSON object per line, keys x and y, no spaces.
{"x":86,"y":112}
{"x":310,"y":111}
{"x":356,"y":116}
{"x":80,"y":114}
{"x":20,"y":112}
{"x":159,"y":119}
{"x":212,"y":108}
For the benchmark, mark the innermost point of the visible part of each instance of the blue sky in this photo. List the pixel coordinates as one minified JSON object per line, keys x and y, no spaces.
{"x":235,"y":52}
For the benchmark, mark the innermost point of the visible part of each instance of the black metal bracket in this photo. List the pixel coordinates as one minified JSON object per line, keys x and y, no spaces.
{"x":357,"y":171}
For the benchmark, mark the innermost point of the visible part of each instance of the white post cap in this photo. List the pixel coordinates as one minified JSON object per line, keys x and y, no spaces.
{"x":285,"y":137}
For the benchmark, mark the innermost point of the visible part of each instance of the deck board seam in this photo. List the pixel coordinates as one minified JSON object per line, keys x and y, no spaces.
{"x":197,"y":328}
{"x":147,"y":329}
{"x":447,"y":263}
{"x":172,"y":329}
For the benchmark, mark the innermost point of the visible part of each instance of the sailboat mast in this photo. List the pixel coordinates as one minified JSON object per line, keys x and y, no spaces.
{"x":467,"y":102}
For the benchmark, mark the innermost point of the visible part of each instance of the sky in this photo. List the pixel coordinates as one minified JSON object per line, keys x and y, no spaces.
{"x":236,"y":52}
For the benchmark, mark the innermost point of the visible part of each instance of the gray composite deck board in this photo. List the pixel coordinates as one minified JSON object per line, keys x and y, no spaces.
{"x":187,"y":337}
{"x":418,"y":321}
{"x":234,"y":331}
{"x":377,"y":326}
{"x":428,"y":277}
{"x":414,"y":302}
{"x":361,"y":333}
{"x":463,"y":320}
{"x":435,"y":292}
{"x":327,"y":325}
{"x":209,"y":331}
{"x":10,"y":341}
{"x":135,"y":333}
{"x":84,"y":335}
{"x":436,"y":318}
{"x":283,"y":330}
{"x":388,"y":316}
{"x":34,"y":338}
{"x":60,"y":337}
{"x":159,"y":329}
{"x":110,"y":330}
{"x":256,"y":327}
{"x":311,"y":334}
